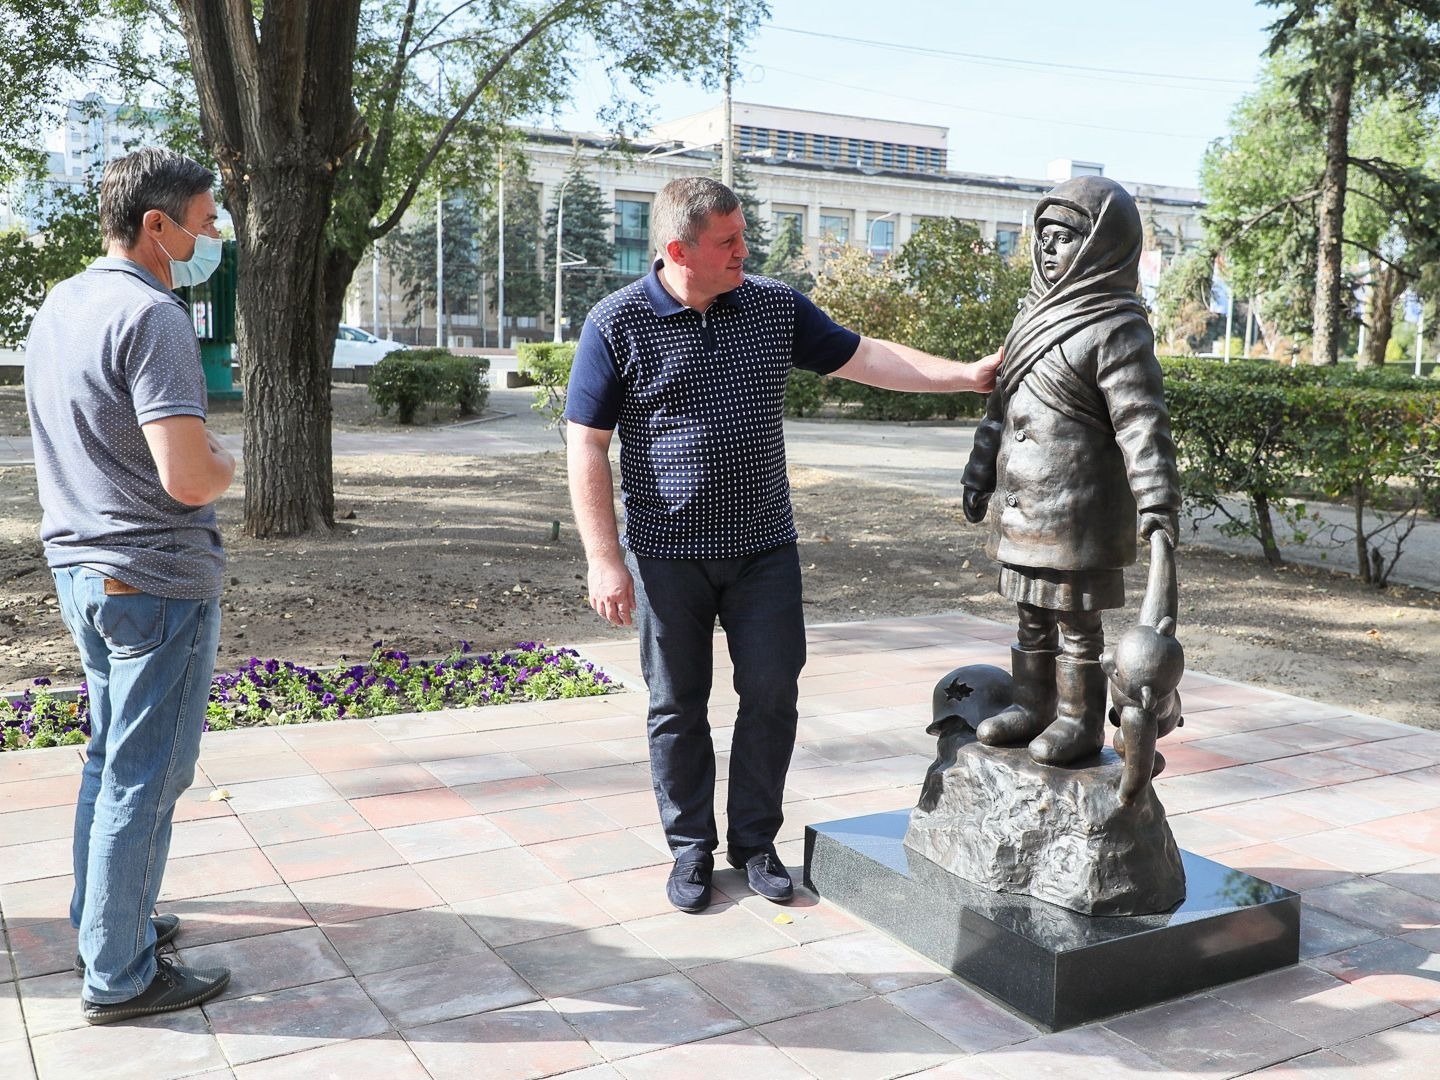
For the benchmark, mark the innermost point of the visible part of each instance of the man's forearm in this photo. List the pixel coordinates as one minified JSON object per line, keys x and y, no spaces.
{"x":892,"y":366}
{"x":592,"y":497}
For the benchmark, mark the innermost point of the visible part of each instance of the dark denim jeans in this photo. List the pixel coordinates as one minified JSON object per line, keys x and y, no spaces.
{"x":148,"y":662}
{"x":756,"y":599}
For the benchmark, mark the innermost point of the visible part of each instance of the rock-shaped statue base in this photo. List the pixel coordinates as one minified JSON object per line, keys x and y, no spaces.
{"x":1060,"y":835}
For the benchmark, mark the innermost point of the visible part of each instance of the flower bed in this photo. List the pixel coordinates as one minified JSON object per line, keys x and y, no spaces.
{"x":281,"y":692}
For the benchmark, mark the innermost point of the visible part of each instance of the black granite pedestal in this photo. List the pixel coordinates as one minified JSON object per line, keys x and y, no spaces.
{"x":1056,"y":967}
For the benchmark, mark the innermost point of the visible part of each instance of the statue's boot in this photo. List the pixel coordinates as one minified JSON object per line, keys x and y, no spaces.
{"x":1079,"y":729}
{"x":1034,"y":706}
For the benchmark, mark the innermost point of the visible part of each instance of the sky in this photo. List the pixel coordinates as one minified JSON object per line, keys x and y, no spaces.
{"x":1141,"y":86}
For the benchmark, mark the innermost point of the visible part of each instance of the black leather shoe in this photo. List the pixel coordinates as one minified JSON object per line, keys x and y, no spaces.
{"x":174,"y":987}
{"x":766,"y":875}
{"x":166,"y":927}
{"x":689,"y":885}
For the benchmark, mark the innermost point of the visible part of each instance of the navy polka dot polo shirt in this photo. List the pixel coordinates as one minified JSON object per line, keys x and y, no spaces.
{"x":698,"y":401}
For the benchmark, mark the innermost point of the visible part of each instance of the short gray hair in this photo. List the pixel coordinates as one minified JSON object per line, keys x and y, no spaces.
{"x":683,"y":208}
{"x":150,"y":178}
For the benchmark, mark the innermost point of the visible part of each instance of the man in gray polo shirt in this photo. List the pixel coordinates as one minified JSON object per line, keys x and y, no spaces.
{"x":128,"y":475}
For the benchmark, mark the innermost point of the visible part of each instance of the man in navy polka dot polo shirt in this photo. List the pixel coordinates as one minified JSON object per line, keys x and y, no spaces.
{"x":689,"y":364}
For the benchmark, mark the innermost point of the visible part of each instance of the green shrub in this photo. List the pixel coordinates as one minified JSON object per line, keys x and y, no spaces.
{"x":407,"y":379}
{"x":548,"y":363}
{"x":807,"y":394}
{"x":804,"y":393}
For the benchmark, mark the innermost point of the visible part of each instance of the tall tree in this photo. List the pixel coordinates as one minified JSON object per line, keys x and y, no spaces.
{"x":786,"y":261}
{"x":327,"y":116}
{"x":412,"y":247}
{"x":1346,"y":49}
{"x":525,"y":289}
{"x":587,"y":236}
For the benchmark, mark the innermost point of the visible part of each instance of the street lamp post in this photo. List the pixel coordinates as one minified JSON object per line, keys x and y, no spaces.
{"x":560,"y":261}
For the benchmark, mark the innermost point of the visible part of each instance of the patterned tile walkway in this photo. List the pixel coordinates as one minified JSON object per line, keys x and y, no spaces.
{"x":479,"y":893}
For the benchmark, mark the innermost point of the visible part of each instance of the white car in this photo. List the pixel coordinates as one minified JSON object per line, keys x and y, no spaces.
{"x":354,"y":346}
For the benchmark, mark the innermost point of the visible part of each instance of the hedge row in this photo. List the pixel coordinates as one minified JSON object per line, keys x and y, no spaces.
{"x":406,"y":380}
{"x":1271,"y":434}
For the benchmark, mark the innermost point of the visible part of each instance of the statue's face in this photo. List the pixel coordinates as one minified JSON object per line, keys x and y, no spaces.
{"x":1058,"y":247}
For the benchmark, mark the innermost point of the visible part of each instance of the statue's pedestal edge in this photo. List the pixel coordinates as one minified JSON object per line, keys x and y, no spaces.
{"x":1055,"y":967}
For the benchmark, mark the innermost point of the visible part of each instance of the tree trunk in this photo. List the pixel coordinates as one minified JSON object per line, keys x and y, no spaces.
{"x":285,"y":354}
{"x":1329,"y":306}
{"x":277,"y":111}
{"x":1384,"y":291}
{"x":1362,"y":548}
{"x":1265,"y":530}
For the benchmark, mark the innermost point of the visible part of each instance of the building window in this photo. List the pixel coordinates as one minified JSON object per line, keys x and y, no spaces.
{"x":794,"y":217}
{"x":834,"y":228}
{"x":882,"y":236}
{"x":1007,"y":239}
{"x":632,"y":236}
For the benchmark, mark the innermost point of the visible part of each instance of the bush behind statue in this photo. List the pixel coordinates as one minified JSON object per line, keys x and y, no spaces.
{"x":547,"y":364}
{"x":1271,"y":434}
{"x":407,"y":379}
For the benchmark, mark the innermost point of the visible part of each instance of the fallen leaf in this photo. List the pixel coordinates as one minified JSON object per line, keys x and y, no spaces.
{"x":220,"y":794}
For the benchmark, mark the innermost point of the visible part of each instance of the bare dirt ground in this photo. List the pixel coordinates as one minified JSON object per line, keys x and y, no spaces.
{"x":444,"y":548}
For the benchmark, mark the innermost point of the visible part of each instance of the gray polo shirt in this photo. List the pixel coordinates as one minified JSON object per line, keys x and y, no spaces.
{"x":110,"y":350}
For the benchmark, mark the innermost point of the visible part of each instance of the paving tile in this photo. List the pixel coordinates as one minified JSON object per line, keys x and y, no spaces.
{"x":12,"y":1020}
{"x":42,"y":791}
{"x":288,"y":824}
{"x":364,"y":895}
{"x":404,"y":726}
{"x":459,"y":772}
{"x":743,"y":1053}
{"x":510,"y":918}
{"x":1374,"y":903}
{"x":1203,"y":1033}
{"x":287,"y":1021}
{"x":260,"y":795}
{"x":599,"y":853}
{"x":571,"y":963}
{"x":1422,"y":879}
{"x":381,"y":780}
{"x":411,"y":808}
{"x":511,"y":794}
{"x":447,"y":745}
{"x":42,"y":947}
{"x":646,"y":1015}
{"x":42,"y":823}
{"x":630,"y":894}
{"x":1391,"y":969}
{"x":269,"y":962}
{"x":573,"y":757}
{"x":1321,"y":933}
{"x":223,"y":772}
{"x":201,"y":875}
{"x":1322,"y":1063}
{"x":518,"y":1043}
{"x":51,"y":1003}
{"x":241,"y":742}
{"x":489,"y":873}
{"x":608,"y":780}
{"x":240,"y":914}
{"x":446,"y":839}
{"x":1314,"y":1004}
{"x":559,"y":821}
{"x":1078,"y":1054}
{"x":153,"y":1048}
{"x":1199,"y":833}
{"x":1384,"y":757}
{"x":864,"y":1040}
{"x":328,"y":856}
{"x":720,"y":932}
{"x":37,"y":859}
{"x":404,"y":939}
{"x":877,"y":961}
{"x":38,"y":764}
{"x":963,"y":1017}
{"x":1323,"y":768}
{"x":207,"y":836}
{"x":806,"y":918}
{"x":15,"y":1060}
{"x":446,"y":989}
{"x":1336,"y":806}
{"x":1420,"y":831}
{"x":629,"y":810}
{"x":200,"y":801}
{"x":777,"y":984}
{"x":335,"y":758}
{"x":384,"y":1057}
{"x":1402,"y":1053}
{"x":1356,"y":851}
{"x":1240,"y":784}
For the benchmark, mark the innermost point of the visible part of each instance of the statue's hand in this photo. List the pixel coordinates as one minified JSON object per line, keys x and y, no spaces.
{"x":1166,"y":521}
{"x":975,"y":502}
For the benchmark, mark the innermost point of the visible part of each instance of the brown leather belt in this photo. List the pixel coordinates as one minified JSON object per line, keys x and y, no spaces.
{"x":116,"y":587}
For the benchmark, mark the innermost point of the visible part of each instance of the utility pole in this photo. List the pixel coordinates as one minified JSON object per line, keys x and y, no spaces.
{"x":727,"y":140}
{"x":375,"y":287}
{"x":500,"y":270}
{"x":440,"y":229}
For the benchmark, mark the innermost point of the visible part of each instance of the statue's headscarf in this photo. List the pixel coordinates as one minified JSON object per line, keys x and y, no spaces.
{"x":1100,"y":283}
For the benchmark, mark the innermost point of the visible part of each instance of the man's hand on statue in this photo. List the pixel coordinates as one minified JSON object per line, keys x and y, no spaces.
{"x":1167,"y":521}
{"x":975,"y":502}
{"x":985,"y":371}
{"x":612,"y":592}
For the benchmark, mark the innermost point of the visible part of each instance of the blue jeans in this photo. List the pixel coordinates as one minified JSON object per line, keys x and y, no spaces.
{"x":756,"y":599}
{"x":148,"y":662}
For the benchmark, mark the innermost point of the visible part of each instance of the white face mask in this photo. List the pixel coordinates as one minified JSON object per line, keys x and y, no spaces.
{"x":197,"y":269}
